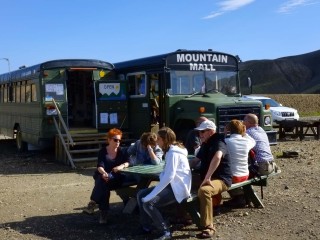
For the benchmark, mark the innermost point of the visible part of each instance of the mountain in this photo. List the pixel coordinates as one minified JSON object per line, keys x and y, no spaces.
{"x":293,"y":74}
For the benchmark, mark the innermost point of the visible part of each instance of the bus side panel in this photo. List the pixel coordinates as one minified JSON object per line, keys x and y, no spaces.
{"x":27,"y":118}
{"x":6,"y":121}
{"x":139,"y":116}
{"x":32,"y":123}
{"x":112,"y":114}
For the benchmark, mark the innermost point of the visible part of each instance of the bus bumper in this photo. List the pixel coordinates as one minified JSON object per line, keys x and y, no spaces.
{"x":272,"y":135}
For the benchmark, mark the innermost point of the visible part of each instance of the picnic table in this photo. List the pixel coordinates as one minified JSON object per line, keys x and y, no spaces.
{"x":301,"y":129}
{"x":148,"y":173}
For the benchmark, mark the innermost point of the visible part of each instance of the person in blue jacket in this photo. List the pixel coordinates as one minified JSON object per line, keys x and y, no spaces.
{"x":145,"y":150}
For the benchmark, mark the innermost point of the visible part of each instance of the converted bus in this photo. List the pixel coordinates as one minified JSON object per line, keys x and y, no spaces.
{"x":174,"y":89}
{"x":26,"y":106}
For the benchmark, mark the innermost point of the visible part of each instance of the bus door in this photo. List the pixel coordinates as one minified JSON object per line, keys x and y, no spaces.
{"x":157,"y":112}
{"x":139,"y":104}
{"x":80,"y":97}
{"x":111,"y":104}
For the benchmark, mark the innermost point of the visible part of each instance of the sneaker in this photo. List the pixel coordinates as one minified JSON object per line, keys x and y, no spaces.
{"x":90,"y":208}
{"x":103,"y":217}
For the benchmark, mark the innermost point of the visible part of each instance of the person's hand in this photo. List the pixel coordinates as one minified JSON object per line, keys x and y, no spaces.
{"x":118,"y":168}
{"x":206,"y":182}
{"x":149,"y":148}
{"x":105,"y":177}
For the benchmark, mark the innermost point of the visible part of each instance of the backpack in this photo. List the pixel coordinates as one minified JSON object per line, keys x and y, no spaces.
{"x":254,"y":169}
{"x":253,"y":165}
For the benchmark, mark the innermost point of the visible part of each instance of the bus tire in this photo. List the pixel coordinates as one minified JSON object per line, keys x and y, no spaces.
{"x":22,"y":146}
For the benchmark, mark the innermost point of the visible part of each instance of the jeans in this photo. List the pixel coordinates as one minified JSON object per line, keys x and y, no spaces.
{"x":149,"y":211}
{"x":101,"y":192}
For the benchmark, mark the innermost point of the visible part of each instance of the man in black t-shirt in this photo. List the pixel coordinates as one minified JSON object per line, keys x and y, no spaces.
{"x":215,"y":174}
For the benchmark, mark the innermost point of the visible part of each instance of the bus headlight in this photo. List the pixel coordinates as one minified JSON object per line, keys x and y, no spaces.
{"x":267,"y":120}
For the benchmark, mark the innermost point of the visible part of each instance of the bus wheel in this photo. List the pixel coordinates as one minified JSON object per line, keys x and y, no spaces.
{"x":22,"y":146}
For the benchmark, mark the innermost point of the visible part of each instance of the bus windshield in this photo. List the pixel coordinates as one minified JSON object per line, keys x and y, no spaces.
{"x":191,"y":82}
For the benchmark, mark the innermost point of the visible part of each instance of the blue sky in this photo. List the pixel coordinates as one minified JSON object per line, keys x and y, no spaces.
{"x":34,"y":31}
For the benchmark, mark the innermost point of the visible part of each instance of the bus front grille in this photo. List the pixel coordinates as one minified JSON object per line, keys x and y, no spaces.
{"x":226,"y":114}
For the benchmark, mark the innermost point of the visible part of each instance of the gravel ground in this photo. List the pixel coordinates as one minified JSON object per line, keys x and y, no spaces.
{"x":42,"y":199}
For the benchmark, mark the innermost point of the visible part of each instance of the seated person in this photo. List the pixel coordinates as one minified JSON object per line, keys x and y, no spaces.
{"x":238,"y":144}
{"x":145,"y":150}
{"x":111,"y":159}
{"x":215,"y":174}
{"x":193,"y":141}
{"x":262,"y":150}
{"x":174,"y":185}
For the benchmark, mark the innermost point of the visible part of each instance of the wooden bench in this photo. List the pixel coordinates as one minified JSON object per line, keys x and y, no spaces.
{"x":191,"y":204}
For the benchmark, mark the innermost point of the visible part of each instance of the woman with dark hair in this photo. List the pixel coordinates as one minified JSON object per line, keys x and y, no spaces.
{"x":174,"y":185}
{"x":111,"y":159}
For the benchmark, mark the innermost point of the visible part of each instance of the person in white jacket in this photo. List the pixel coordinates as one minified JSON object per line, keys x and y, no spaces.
{"x":174,"y":185}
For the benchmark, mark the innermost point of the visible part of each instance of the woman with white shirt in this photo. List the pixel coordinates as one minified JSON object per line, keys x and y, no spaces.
{"x":174,"y":184}
{"x":239,"y":145}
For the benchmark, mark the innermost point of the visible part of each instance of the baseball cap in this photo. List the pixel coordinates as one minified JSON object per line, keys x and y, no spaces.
{"x":206,"y":125}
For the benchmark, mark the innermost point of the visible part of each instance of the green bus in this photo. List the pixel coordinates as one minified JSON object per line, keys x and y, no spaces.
{"x":174,"y":89}
{"x":26,"y":106}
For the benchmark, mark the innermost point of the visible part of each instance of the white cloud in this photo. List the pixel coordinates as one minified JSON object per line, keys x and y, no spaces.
{"x":291,"y":5}
{"x":228,"y":5}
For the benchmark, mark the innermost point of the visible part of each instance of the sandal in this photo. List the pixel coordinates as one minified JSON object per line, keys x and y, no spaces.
{"x":208,"y":232}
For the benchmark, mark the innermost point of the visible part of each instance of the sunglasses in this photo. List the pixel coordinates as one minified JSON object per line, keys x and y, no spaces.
{"x":116,"y":140}
{"x":203,"y":131}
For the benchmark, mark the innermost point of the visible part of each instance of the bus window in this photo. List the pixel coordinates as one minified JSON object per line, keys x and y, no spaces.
{"x":54,"y":91}
{"x":23,"y":92}
{"x":1,"y":93}
{"x":224,"y":82}
{"x":181,"y":83}
{"x":5,"y":93}
{"x":53,"y":74}
{"x":199,"y":83}
{"x":137,"y":84}
{"x":34,"y":96}
{"x":28,"y":92}
{"x":18,"y":93}
{"x":12,"y":92}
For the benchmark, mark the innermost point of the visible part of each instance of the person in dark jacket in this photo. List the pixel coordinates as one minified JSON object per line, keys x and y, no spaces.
{"x":111,"y":159}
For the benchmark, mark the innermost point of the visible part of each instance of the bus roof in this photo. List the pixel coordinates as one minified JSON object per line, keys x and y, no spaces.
{"x":159,"y":60}
{"x":68,"y":63}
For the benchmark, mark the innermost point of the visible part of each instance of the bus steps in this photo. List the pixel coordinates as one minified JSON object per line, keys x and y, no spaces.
{"x":84,"y":150}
